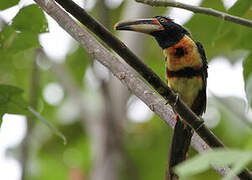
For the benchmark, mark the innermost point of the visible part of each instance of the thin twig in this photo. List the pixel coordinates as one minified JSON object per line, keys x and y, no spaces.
{"x":201,"y":10}
{"x":33,"y":101}
{"x":122,"y":72}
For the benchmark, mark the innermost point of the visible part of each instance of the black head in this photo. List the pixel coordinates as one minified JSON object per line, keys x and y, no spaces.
{"x":165,"y":31}
{"x":171,"y":34}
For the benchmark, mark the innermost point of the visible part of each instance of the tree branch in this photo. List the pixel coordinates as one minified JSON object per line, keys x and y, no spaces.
{"x":152,"y":78}
{"x":127,"y":77}
{"x":201,"y":10}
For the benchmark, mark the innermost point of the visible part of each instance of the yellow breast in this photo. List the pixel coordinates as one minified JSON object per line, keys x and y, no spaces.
{"x":188,"y":88}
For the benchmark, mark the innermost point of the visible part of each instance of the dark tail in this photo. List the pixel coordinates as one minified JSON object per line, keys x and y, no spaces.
{"x":179,"y":146}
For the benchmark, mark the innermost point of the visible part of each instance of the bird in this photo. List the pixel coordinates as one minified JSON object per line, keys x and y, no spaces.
{"x":186,"y":73}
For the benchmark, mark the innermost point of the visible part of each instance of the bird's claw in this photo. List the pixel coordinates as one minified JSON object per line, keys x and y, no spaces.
{"x":201,"y":124}
{"x":176,"y":100}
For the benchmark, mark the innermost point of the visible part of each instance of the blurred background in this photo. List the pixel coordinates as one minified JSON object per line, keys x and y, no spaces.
{"x":111,"y":134}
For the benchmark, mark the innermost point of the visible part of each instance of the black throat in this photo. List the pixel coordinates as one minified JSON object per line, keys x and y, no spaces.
{"x":166,"y":39}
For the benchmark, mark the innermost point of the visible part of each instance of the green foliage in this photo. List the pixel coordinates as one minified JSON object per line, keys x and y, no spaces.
{"x":31,"y":19}
{"x":240,"y":7}
{"x":77,"y":63}
{"x":13,"y":42}
{"x":206,"y":29}
{"x":48,"y":124}
{"x":147,"y":148}
{"x":54,"y":158}
{"x":247,"y":74}
{"x":249,"y":90}
{"x":219,"y":158}
{"x":11,"y":101}
{"x":233,"y":125}
{"x":16,"y":40}
{"x":6,"y":37}
{"x":7,"y":4}
{"x":21,"y":42}
{"x":146,"y":143}
{"x":22,"y":34}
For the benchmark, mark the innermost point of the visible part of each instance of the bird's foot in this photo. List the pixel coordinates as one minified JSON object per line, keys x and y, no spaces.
{"x":176,"y":100}
{"x":200,"y":125}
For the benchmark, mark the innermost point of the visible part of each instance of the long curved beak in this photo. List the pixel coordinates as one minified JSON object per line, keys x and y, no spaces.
{"x":139,"y":25}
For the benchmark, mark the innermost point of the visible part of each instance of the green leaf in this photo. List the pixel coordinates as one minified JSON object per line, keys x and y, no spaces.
{"x":4,"y":4}
{"x":25,"y":40}
{"x":248,"y":90}
{"x":240,"y":7}
{"x":11,"y":101}
{"x":238,"y":166}
{"x":12,"y":42}
{"x":32,"y":19}
{"x":7,"y":36}
{"x":77,"y":62}
{"x":235,"y":108}
{"x":218,"y":158}
{"x":243,"y":34}
{"x":247,"y":75}
{"x":205,"y":29}
{"x":222,"y":37}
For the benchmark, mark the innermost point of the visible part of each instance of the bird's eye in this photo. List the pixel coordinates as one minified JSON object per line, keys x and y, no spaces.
{"x":162,"y":20}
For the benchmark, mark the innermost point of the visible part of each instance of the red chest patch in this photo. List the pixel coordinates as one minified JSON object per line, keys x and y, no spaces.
{"x":183,"y":54}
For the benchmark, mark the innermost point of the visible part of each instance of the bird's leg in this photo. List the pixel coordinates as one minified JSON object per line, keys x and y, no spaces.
{"x":200,"y":125}
{"x":176,"y":99}
{"x":174,"y":103}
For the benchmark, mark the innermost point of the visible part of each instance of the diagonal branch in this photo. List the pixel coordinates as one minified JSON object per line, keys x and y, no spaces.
{"x":201,"y":10}
{"x":152,"y":78}
{"x":128,"y":78}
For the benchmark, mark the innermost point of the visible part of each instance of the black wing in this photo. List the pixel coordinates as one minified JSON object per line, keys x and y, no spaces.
{"x":204,"y":60}
{"x":200,"y":103}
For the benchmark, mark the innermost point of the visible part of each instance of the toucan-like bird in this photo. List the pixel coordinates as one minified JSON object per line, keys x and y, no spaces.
{"x":186,"y":71}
